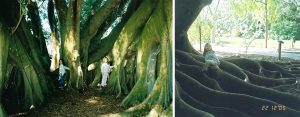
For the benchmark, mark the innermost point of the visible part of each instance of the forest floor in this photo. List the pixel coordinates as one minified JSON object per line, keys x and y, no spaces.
{"x":72,"y":104}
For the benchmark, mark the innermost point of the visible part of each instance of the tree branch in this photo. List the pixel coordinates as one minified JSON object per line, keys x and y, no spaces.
{"x":105,"y":45}
{"x":260,"y":2}
{"x":100,"y":16}
{"x":100,"y":47}
{"x":51,"y":17}
{"x":20,"y":17}
{"x":61,"y":7}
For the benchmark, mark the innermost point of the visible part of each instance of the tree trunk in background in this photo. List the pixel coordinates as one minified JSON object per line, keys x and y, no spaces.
{"x":200,"y":36}
{"x":266,"y":19}
{"x":54,"y":36}
{"x":293,"y":42}
{"x":98,"y":75}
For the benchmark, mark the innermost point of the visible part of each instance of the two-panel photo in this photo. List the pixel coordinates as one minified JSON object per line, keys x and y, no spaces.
{"x":149,"y":58}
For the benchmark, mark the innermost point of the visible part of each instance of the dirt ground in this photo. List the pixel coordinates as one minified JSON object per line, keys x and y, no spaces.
{"x":72,"y":104}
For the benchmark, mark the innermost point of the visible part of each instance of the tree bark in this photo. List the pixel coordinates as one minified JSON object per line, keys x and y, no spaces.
{"x":71,"y":44}
{"x":54,"y":36}
{"x":101,"y":47}
{"x":128,"y":34}
{"x":159,"y":95}
{"x":36,"y":26}
{"x":4,"y":47}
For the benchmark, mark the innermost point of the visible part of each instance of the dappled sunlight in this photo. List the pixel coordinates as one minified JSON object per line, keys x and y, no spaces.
{"x":120,"y":48}
{"x":70,"y":42}
{"x":91,"y":103}
{"x":139,"y":57}
{"x":55,"y":59}
{"x":93,"y":100}
{"x":111,"y":115}
{"x":155,"y":111}
{"x":91,"y":67}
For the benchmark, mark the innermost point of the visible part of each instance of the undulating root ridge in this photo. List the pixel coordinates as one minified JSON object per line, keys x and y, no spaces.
{"x":222,"y":91}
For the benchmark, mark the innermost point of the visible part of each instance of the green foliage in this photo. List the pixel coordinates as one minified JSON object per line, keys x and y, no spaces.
{"x":43,"y":14}
{"x":246,"y":19}
{"x":89,"y":8}
{"x":194,"y":34}
{"x":287,"y":25}
{"x":243,"y":7}
{"x":250,"y":15}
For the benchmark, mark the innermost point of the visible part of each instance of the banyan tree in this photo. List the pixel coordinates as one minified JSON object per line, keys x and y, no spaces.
{"x":272,"y":89}
{"x":136,"y":35}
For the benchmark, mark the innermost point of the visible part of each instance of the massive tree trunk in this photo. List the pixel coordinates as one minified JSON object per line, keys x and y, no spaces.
{"x":159,"y":96}
{"x":54,"y":35}
{"x":26,"y":57}
{"x":222,"y":91}
{"x":128,"y":35}
{"x":71,"y":42}
{"x":4,"y":47}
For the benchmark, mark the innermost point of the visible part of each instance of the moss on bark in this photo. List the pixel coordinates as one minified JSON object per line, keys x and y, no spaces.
{"x":128,"y":34}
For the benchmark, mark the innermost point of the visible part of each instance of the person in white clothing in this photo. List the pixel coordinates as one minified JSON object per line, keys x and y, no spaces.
{"x":62,"y":72}
{"x":105,"y":69}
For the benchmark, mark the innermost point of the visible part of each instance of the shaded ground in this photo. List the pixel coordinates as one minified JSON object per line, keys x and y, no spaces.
{"x":70,"y":104}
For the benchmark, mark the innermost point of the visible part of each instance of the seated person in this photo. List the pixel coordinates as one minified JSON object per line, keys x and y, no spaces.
{"x":210,"y":58}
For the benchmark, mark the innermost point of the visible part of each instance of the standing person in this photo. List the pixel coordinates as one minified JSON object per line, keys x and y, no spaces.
{"x":62,"y":72}
{"x":210,"y":57}
{"x":105,"y":69}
